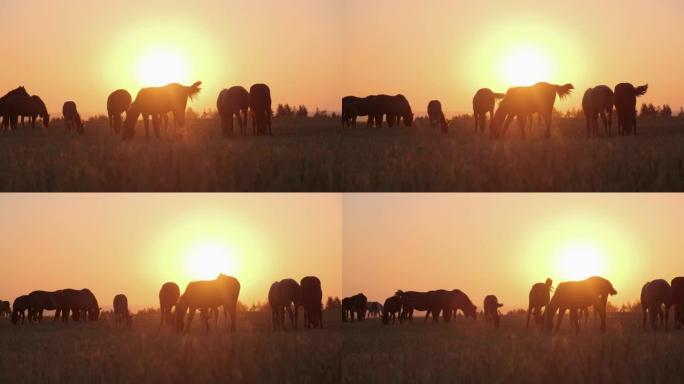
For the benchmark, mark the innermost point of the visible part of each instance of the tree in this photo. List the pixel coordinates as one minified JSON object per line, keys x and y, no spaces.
{"x":666,"y":111}
{"x":284,"y":111}
{"x":333,"y":302}
{"x":320,"y":113}
{"x":302,"y":111}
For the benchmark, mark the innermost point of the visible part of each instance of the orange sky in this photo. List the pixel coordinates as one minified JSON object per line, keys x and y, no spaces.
{"x":314,"y":52}
{"x":502,"y":243}
{"x":132,"y":243}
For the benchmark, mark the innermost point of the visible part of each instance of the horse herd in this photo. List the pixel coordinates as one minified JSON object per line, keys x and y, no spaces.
{"x":657,"y":298}
{"x":518,"y":102}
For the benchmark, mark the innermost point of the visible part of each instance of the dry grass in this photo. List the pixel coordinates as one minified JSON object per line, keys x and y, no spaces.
{"x":314,"y":155}
{"x":100,"y":353}
{"x":469,"y":352}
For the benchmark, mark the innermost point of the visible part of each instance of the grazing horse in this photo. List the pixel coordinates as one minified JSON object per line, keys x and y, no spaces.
{"x":71,"y":117}
{"x":522,"y":102}
{"x":118,"y":102}
{"x":205,"y":296}
{"x":274,"y":301}
{"x":654,"y":296}
{"x":540,"y":295}
{"x":5,"y":309}
{"x":6,"y":107}
{"x":483,"y":103}
{"x":436,"y":116}
{"x":491,"y":310}
{"x":233,"y":101}
{"x":356,"y":304}
{"x":121,"y":313}
{"x":598,"y":101}
{"x":311,"y":296}
{"x":353,"y":107}
{"x":396,"y":108}
{"x":38,"y":109}
{"x":168,"y":297}
{"x":411,"y":300}
{"x":16,"y":105}
{"x":437,"y":302}
{"x":577,"y":295}
{"x":21,"y":305}
{"x":374,"y":309}
{"x":456,"y":300}
{"x":42,"y":301}
{"x":625,"y":106}
{"x":676,"y":300}
{"x":260,"y":105}
{"x":282,"y":297}
{"x":391,"y":310}
{"x":157,"y":102}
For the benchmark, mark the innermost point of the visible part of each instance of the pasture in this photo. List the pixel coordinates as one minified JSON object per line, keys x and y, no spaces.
{"x":466,"y":351}
{"x":316,"y":155}
{"x":98,"y":352}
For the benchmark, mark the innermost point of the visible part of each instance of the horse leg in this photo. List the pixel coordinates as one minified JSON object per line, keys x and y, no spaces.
{"x":574,"y":320}
{"x":190,"y":316}
{"x":561,"y":313}
{"x":547,"y":122}
{"x":156,"y":122}
{"x":147,"y":126}
{"x":507,"y":122}
{"x":521,"y":123}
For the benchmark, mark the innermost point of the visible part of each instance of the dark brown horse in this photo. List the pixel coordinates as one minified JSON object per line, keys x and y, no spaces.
{"x":71,"y":117}
{"x":395,"y":108}
{"x":391,"y":310}
{"x":121,"y":314}
{"x":118,"y":102}
{"x":20,"y":307}
{"x":311,"y":296}
{"x":491,"y":310}
{"x":625,"y":106}
{"x":676,"y":300}
{"x":598,"y":101}
{"x":205,"y":296}
{"x":412,"y":300}
{"x":233,"y":101}
{"x":522,"y":102}
{"x":654,"y":296}
{"x":483,"y":103}
{"x":5,"y":309}
{"x":577,"y":295}
{"x":354,"y":305}
{"x":540,"y":295}
{"x":168,"y":297}
{"x":353,"y":107}
{"x":275,"y":302}
{"x":260,"y":105}
{"x":458,"y":300}
{"x":156,"y":102}
{"x":38,"y":109}
{"x":17,"y":105}
{"x":436,"y":116}
{"x":7,"y":108}
{"x":43,"y":301}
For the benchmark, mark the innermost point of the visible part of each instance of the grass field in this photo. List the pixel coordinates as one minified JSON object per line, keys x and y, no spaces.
{"x":97,"y":352}
{"x":315,"y":155}
{"x":469,"y":352}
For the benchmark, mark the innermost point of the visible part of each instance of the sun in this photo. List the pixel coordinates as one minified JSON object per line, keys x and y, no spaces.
{"x":162,"y":65}
{"x":205,"y":261}
{"x":577,"y":260}
{"x":524,"y":66}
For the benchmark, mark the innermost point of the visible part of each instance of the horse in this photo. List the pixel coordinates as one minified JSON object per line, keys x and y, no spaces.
{"x":356,"y":304}
{"x":491,"y":310}
{"x":5,"y":110}
{"x":352,"y":108}
{"x":311,"y":296}
{"x":71,"y":117}
{"x":484,"y":102}
{"x":625,"y":106}
{"x":168,"y":297}
{"x":118,"y":102}
{"x":436,"y":116}
{"x":598,"y":101}
{"x":206,"y":295}
{"x":411,"y":300}
{"x":121,"y":313}
{"x":577,"y":295}
{"x":260,"y":105}
{"x":521,"y":102}
{"x":654,"y":296}
{"x":676,"y":300}
{"x":391,"y":310}
{"x":158,"y":101}
{"x":231,"y":102}
{"x":455,"y":300}
{"x":539,"y":297}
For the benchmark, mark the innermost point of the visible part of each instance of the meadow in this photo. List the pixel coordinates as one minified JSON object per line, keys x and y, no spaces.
{"x":98,"y":352}
{"x":315,"y":154}
{"x":466,"y":351}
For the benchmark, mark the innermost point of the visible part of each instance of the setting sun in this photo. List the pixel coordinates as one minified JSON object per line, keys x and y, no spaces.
{"x":162,"y":66}
{"x":206,"y":261}
{"x":525,"y":66}
{"x":578,"y":260}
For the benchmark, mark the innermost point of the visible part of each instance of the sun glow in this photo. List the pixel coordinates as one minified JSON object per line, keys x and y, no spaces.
{"x":162,"y":66}
{"x":525,"y":66}
{"x":578,"y":260}
{"x":205,"y":261}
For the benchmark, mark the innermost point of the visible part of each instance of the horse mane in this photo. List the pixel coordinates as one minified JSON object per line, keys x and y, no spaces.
{"x":194,"y":89}
{"x":564,"y":90}
{"x":641,"y":90}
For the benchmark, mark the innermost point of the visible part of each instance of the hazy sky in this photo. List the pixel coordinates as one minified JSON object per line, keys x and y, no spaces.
{"x":502,"y":243}
{"x":132,"y":243}
{"x":314,"y":52}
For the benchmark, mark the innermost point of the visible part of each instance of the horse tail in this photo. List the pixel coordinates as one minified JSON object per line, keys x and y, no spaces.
{"x":498,"y":96}
{"x":641,"y":90}
{"x":564,"y":90}
{"x":194,"y":89}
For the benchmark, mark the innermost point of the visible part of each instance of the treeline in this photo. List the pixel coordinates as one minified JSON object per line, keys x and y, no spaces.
{"x":331,"y":303}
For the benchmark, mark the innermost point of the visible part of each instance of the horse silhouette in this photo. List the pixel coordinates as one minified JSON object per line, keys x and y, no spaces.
{"x":374,"y":309}
{"x":356,"y":304}
{"x":206,"y":295}
{"x":491,"y":310}
{"x":5,"y":309}
{"x":654,"y":296}
{"x":118,"y":102}
{"x":458,"y":300}
{"x":38,"y":109}
{"x":391,"y":310}
{"x":6,"y":108}
{"x":522,"y":102}
{"x":412,"y":300}
{"x":233,"y":101}
{"x":20,"y":307}
{"x":121,"y":314}
{"x":676,"y":300}
{"x":71,"y":117}
{"x":436,"y":116}
{"x":353,"y":107}
{"x":395,"y":108}
{"x":311,"y":296}
{"x":156,"y":102}
{"x":577,"y":295}
{"x":43,"y":301}
{"x":598,"y":101}
{"x":625,"y":106}
{"x":260,"y":105}
{"x":484,"y":102}
{"x":15,"y":106}
{"x":539,"y":297}
{"x":168,"y":297}
{"x":437,"y":303}
{"x":284,"y":296}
